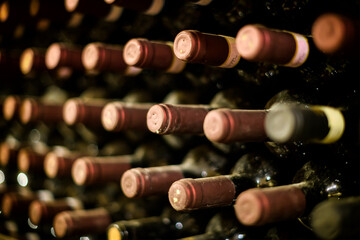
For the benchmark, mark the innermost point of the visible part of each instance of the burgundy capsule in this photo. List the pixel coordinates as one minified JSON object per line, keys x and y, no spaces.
{"x":31,"y":60}
{"x":32,"y":110}
{"x":77,"y":222}
{"x":256,"y":207}
{"x":88,"y":112}
{"x":210,"y":49}
{"x":154,"y":55}
{"x":227,"y":125}
{"x":63,"y":55}
{"x":168,"y":119}
{"x":104,"y":57}
{"x":149,"y":7}
{"x":100,"y":170}
{"x":59,"y":165}
{"x":31,"y":160}
{"x":14,"y":203}
{"x":257,"y":43}
{"x":141,"y":182}
{"x":45,"y":211}
{"x":190,"y":194}
{"x":121,"y":116}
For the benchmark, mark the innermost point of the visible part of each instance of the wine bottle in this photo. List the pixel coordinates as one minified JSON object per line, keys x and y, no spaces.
{"x":59,"y":161}
{"x":61,"y":54}
{"x":155,"y":55}
{"x":33,"y":110}
{"x":105,"y":169}
{"x":15,"y":204}
{"x":95,"y":221}
{"x":227,"y":125}
{"x":32,"y":60}
{"x":224,"y":225}
{"x":336,"y":34}
{"x":215,"y":50}
{"x":31,"y":159}
{"x":169,"y":225}
{"x":201,"y":161}
{"x":85,"y":111}
{"x":178,"y":118}
{"x":41,"y":211}
{"x":294,"y":51}
{"x":284,"y":48}
{"x":313,"y":183}
{"x":314,"y":123}
{"x":167,"y":119}
{"x":119,"y":116}
{"x":220,"y":51}
{"x":250,"y":171}
{"x":105,"y":57}
{"x":335,"y":219}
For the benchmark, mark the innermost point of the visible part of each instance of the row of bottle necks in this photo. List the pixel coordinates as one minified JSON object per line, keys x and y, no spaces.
{"x":262,"y":189}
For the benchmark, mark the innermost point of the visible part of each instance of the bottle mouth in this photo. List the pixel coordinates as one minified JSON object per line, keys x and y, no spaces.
{"x":90,"y":56}
{"x":280,"y":124}
{"x":71,"y":111}
{"x":53,"y":56}
{"x":111,"y":117}
{"x":158,"y":119}
{"x":184,"y":45}
{"x":249,"y":41}
{"x":133,"y":52}
{"x":328,"y":32}
{"x":216,"y":126}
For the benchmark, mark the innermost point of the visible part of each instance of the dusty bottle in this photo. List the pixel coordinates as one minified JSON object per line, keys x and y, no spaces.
{"x":313,"y":183}
{"x":336,"y":219}
{"x":169,"y":225}
{"x":251,"y":170}
{"x":105,"y":169}
{"x":201,"y":161}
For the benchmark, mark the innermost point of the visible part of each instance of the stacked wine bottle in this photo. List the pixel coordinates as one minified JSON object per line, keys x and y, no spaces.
{"x":192,"y":119}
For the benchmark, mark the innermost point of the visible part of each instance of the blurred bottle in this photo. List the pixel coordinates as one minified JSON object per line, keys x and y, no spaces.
{"x":105,"y":169}
{"x":336,"y":34}
{"x":95,"y":221}
{"x":333,"y":219}
{"x":169,"y":225}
